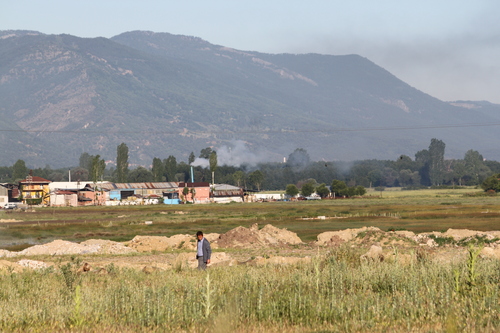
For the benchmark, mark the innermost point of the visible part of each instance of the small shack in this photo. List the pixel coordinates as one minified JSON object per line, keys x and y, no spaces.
{"x":224,"y":193}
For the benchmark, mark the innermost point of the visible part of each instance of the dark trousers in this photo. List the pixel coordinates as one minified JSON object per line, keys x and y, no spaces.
{"x":202,"y":265}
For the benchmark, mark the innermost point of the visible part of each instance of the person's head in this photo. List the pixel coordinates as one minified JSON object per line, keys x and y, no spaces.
{"x":199,"y":235}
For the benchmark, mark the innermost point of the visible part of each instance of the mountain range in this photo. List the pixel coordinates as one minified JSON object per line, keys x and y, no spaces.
{"x":165,"y":94}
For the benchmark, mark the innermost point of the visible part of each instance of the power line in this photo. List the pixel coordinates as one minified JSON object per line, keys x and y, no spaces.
{"x":279,"y":131}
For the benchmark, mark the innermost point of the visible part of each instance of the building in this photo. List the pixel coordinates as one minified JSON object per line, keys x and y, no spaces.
{"x":72,"y":194}
{"x":224,"y":193}
{"x":140,"y":193}
{"x":4,"y":195}
{"x":63,"y":198}
{"x":196,"y":192}
{"x":34,"y":191}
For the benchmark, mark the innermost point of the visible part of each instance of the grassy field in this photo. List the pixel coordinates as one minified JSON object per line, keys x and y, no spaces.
{"x":418,"y":211}
{"x":335,"y":292}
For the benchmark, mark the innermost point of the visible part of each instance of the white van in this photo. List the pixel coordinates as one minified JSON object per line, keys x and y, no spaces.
{"x":10,"y":205}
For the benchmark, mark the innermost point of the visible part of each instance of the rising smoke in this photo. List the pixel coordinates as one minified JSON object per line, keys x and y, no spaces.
{"x":235,"y":154}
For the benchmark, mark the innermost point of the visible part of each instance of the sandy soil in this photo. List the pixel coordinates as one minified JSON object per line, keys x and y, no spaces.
{"x":248,"y":246}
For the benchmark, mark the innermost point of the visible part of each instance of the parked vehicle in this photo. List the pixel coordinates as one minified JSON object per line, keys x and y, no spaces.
{"x":10,"y":205}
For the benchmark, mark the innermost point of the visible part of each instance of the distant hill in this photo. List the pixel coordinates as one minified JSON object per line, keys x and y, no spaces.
{"x":165,"y":94}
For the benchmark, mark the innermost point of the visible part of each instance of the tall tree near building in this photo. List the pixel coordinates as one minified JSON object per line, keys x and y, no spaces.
{"x":85,"y":160}
{"x":256,"y":178}
{"x":422,"y":161}
{"x":205,"y":153}
{"x":475,"y":167}
{"x":436,"y":157}
{"x":19,"y":170}
{"x":299,"y":158}
{"x":213,"y":164}
{"x":139,"y":175}
{"x":291,"y":190}
{"x":170,"y":168}
{"x":322,"y":191}
{"x":158,"y":170}
{"x":239,"y":177}
{"x":122,"y":163}
{"x":97,"y":168}
{"x":307,"y":189}
{"x":191,"y":158}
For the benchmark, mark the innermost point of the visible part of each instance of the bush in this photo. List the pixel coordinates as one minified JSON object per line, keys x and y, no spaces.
{"x":491,"y":183}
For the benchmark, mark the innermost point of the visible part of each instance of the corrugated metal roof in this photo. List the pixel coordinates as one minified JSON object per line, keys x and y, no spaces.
{"x":226,"y":187}
{"x":145,"y":185}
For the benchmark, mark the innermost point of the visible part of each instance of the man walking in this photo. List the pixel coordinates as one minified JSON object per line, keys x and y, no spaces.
{"x":204,"y":251}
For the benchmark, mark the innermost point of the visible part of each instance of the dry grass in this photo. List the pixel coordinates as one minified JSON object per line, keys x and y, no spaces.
{"x":334,"y":293}
{"x":418,"y":211}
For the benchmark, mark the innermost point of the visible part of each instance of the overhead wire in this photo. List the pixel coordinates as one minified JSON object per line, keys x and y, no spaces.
{"x":277,"y":131}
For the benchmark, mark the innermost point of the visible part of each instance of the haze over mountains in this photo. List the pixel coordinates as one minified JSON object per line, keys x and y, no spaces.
{"x":166,"y":94}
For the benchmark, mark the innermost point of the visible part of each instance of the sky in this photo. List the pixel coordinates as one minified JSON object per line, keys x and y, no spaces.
{"x":449,"y":49}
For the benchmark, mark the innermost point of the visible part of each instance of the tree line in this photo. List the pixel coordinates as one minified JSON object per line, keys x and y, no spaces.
{"x":427,"y":168}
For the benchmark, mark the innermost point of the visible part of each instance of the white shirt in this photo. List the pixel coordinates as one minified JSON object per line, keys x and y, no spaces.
{"x":200,"y":247}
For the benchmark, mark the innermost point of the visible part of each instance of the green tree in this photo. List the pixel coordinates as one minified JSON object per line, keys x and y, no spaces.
{"x":97,"y":168}
{"x":191,"y":158}
{"x":322,"y":191}
{"x":256,"y":178}
{"x":171,"y":168}
{"x":338,"y":187}
{"x":307,"y":189}
{"x":405,"y":177}
{"x":404,"y":162}
{"x":475,"y":167}
{"x":422,"y":161}
{"x":122,"y":163}
{"x":185,"y":192}
{"x":79,"y":174}
{"x":291,"y":190}
{"x":85,"y":160}
{"x":193,"y":194}
{"x":299,"y":158}
{"x":19,"y":170}
{"x":359,"y":190}
{"x":213,"y":164}
{"x":158,"y":170}
{"x":139,"y":175}
{"x":491,"y":183}
{"x":239,"y":177}
{"x":436,"y":167}
{"x":205,"y":153}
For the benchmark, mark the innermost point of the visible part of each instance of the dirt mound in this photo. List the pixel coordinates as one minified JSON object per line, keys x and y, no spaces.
{"x":6,"y":254}
{"x":370,"y":235}
{"x":33,"y":264}
{"x":342,"y":236}
{"x":278,"y":260}
{"x":59,"y":247}
{"x":162,"y":243}
{"x":489,"y":252}
{"x":241,"y":237}
{"x":460,"y":234}
{"x":149,"y":243}
{"x":375,"y":253}
{"x":188,"y":260}
{"x":109,"y":247}
{"x":7,"y":267}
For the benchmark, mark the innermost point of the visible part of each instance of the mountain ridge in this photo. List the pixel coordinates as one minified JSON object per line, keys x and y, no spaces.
{"x":166,"y":94}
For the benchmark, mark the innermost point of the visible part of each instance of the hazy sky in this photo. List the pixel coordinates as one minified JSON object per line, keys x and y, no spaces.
{"x":449,"y":49}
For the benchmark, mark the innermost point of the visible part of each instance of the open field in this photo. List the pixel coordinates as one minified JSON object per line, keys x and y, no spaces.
{"x":336,"y":287}
{"x":418,"y":211}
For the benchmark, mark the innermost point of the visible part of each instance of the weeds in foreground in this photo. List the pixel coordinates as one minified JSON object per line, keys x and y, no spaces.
{"x":332,"y":293}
